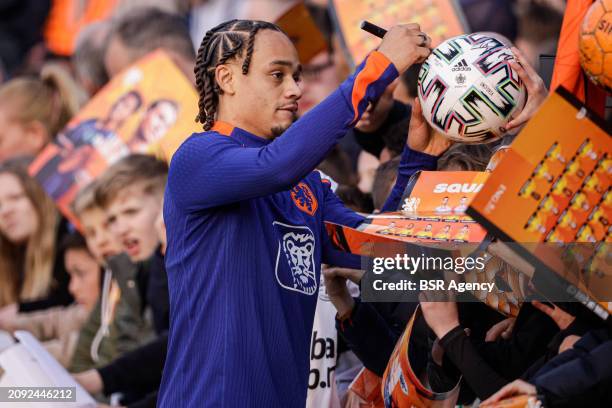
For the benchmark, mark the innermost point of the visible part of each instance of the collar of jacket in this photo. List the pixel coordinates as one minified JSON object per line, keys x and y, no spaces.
{"x":245,"y":138}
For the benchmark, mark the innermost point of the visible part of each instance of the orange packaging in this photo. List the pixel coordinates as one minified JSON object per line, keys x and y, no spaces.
{"x":433,"y":215}
{"x":148,"y":108}
{"x":433,"y":209}
{"x":553,"y":186}
{"x":553,"y":178}
{"x":365,"y":390}
{"x":440,"y":19}
{"x":401,"y":386}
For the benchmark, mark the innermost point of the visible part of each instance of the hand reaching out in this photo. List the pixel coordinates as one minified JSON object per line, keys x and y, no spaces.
{"x":560,"y":316}
{"x":502,"y":329}
{"x":439,"y":311}
{"x":335,"y":286}
{"x":536,"y":90}
{"x":421,"y":137}
{"x":516,"y":387}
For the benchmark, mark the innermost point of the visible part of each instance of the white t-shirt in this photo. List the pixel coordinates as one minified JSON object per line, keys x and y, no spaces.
{"x":322,"y":391}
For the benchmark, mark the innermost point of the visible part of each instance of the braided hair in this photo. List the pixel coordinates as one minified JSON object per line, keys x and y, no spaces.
{"x":220,"y":44}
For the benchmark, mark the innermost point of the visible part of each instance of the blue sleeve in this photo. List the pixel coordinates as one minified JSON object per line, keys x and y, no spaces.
{"x":335,"y":211}
{"x":411,"y":162}
{"x":578,"y":378}
{"x":210,"y":170}
{"x":335,"y":257}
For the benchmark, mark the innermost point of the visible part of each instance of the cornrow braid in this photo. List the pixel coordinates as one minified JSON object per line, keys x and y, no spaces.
{"x":220,"y":44}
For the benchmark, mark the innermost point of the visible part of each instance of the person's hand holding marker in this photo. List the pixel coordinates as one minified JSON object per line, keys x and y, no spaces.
{"x":403,"y":44}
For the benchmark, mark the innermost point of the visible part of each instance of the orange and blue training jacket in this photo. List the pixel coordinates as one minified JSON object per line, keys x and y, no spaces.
{"x":246,"y":239}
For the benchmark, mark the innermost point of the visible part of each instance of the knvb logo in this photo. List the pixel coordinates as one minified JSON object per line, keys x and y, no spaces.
{"x":461,"y":66}
{"x":295,"y":261}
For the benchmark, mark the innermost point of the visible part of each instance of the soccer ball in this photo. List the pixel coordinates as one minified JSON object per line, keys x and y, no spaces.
{"x":467,"y":89}
{"x":596,"y":43}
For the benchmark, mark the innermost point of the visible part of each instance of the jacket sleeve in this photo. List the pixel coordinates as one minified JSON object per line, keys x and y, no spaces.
{"x":139,"y":369}
{"x":81,"y":358}
{"x":411,"y":162}
{"x":531,"y":335}
{"x":211,"y":170}
{"x":478,"y":374}
{"x":335,"y":257}
{"x":580,"y":374}
{"x":335,"y":211}
{"x":149,"y":401}
{"x":369,"y":336}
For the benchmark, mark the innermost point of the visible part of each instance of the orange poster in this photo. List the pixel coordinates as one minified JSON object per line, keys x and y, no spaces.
{"x":440,"y":19}
{"x":554,"y":180}
{"x":149,"y":108}
{"x":553,"y":187}
{"x":298,"y":24}
{"x":433,"y":209}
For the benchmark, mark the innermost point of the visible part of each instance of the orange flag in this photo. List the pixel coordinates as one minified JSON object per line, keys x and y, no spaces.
{"x":567,"y":71}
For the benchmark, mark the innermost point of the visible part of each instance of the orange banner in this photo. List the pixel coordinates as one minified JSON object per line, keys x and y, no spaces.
{"x":68,"y":17}
{"x":149,"y":108}
{"x":298,"y":24}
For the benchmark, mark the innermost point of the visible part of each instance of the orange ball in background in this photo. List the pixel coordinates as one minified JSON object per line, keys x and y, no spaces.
{"x":596,"y":44}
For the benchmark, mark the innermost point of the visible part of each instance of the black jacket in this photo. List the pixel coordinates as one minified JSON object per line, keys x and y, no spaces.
{"x":138,"y":373}
{"x":581,"y":376}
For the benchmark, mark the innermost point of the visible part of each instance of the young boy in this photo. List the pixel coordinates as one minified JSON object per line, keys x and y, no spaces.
{"x":130,"y":193}
{"x":120,"y":327}
{"x":94,"y":226}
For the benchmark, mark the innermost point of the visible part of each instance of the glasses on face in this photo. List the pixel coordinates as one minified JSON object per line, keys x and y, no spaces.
{"x":312,"y":72}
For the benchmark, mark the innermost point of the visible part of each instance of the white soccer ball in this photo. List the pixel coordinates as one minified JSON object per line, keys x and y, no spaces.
{"x":467,"y":89}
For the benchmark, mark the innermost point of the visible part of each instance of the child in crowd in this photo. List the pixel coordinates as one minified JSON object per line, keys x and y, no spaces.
{"x":130,"y":192}
{"x":34,"y":110}
{"x":116,"y":325}
{"x":58,"y":327}
{"x":32,"y":268}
